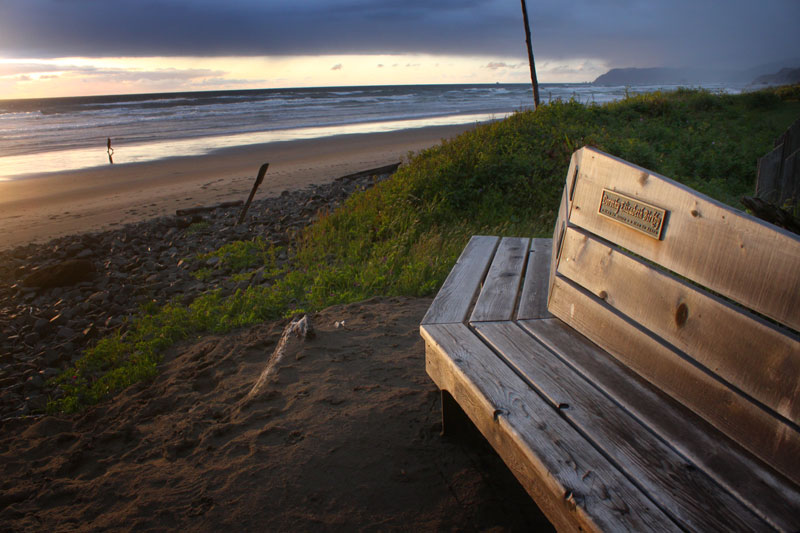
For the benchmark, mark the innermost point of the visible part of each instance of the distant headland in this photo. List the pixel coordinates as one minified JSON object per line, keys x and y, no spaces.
{"x":773,"y":74}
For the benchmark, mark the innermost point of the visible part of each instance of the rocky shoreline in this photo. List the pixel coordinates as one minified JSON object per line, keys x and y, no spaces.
{"x":46,"y":322}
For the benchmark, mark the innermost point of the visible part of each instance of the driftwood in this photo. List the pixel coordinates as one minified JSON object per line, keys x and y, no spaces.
{"x":204,"y":208}
{"x":259,"y":179}
{"x":388,"y":169}
{"x":300,"y":328}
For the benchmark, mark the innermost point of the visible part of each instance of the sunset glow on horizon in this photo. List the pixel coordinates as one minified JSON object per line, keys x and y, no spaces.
{"x":77,"y":76}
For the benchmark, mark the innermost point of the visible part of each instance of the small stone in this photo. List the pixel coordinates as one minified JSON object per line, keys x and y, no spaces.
{"x":35,"y":380}
{"x":41,"y":326}
{"x":37,"y":402}
{"x":48,"y":373}
{"x":51,"y":357}
{"x":65,"y":332}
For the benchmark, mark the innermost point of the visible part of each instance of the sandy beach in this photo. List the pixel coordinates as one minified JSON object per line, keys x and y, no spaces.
{"x":343,"y":436}
{"x":37,"y":209}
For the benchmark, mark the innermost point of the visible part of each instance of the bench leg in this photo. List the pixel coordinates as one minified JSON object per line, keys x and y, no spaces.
{"x":455,"y":422}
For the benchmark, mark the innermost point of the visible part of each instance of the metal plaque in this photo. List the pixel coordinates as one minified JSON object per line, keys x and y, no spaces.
{"x":636,"y":214}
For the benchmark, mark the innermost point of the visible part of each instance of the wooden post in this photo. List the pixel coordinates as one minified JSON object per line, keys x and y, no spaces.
{"x":259,"y":179}
{"x":534,"y":81}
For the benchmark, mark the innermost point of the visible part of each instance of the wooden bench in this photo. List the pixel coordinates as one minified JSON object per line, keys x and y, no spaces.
{"x":639,"y":371}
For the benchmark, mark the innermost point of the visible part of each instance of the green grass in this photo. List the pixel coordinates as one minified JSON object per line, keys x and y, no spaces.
{"x":402,"y":236}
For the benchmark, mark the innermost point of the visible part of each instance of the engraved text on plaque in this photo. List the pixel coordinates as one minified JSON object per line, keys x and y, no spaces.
{"x":636,"y":214}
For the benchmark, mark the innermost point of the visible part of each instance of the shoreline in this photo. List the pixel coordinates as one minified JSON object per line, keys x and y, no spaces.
{"x":40,"y":208}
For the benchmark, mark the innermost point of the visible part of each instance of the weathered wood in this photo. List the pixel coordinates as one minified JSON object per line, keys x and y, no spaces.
{"x":563,"y":212}
{"x":455,"y":298}
{"x":769,"y":172}
{"x":770,"y":495}
{"x":498,"y":297}
{"x":710,"y":243}
{"x":204,"y":208}
{"x":300,"y":328}
{"x":689,"y":403}
{"x":259,"y":179}
{"x":658,"y":470}
{"x":531,"y":62}
{"x":790,"y":180}
{"x":722,"y":338}
{"x":766,"y":436}
{"x":533,"y":299}
{"x":386,"y":169}
{"x":574,"y":485}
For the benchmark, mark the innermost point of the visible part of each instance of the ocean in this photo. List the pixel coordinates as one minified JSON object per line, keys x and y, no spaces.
{"x":39,"y":136}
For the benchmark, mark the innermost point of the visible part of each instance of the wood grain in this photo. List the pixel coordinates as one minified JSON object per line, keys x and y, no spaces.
{"x":573,"y":484}
{"x":454,"y":299}
{"x":533,"y":300}
{"x":764,"y":435}
{"x":767,"y":493}
{"x":733,"y":254}
{"x":722,"y":338}
{"x":498,"y":297}
{"x":648,"y":462}
{"x":558,"y":237}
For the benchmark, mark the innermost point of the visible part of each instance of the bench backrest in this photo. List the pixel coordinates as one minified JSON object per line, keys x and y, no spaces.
{"x":701,"y":300}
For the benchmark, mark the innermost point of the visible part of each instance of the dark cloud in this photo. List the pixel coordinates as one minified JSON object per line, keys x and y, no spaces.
{"x":619,"y":32}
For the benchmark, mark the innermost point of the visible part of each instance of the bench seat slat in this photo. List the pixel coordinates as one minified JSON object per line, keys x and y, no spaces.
{"x":455,"y":298}
{"x":662,"y":473}
{"x":714,"y":333}
{"x":768,"y":494}
{"x":498,"y":297}
{"x":735,"y":255}
{"x":570,"y":480}
{"x":533,"y":300}
{"x":768,"y":437}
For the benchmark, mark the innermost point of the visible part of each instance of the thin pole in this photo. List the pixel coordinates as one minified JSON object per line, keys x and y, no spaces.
{"x":534,"y":82}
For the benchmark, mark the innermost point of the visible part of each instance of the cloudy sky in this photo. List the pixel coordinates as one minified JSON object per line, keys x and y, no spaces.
{"x":74,"y":47}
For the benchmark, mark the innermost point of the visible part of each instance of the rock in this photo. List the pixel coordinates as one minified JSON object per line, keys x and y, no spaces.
{"x":36,"y":402}
{"x":65,"y":332}
{"x":62,"y":274}
{"x":52,"y":357}
{"x":48,"y":373}
{"x":35,"y":380}
{"x":74,"y":248}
